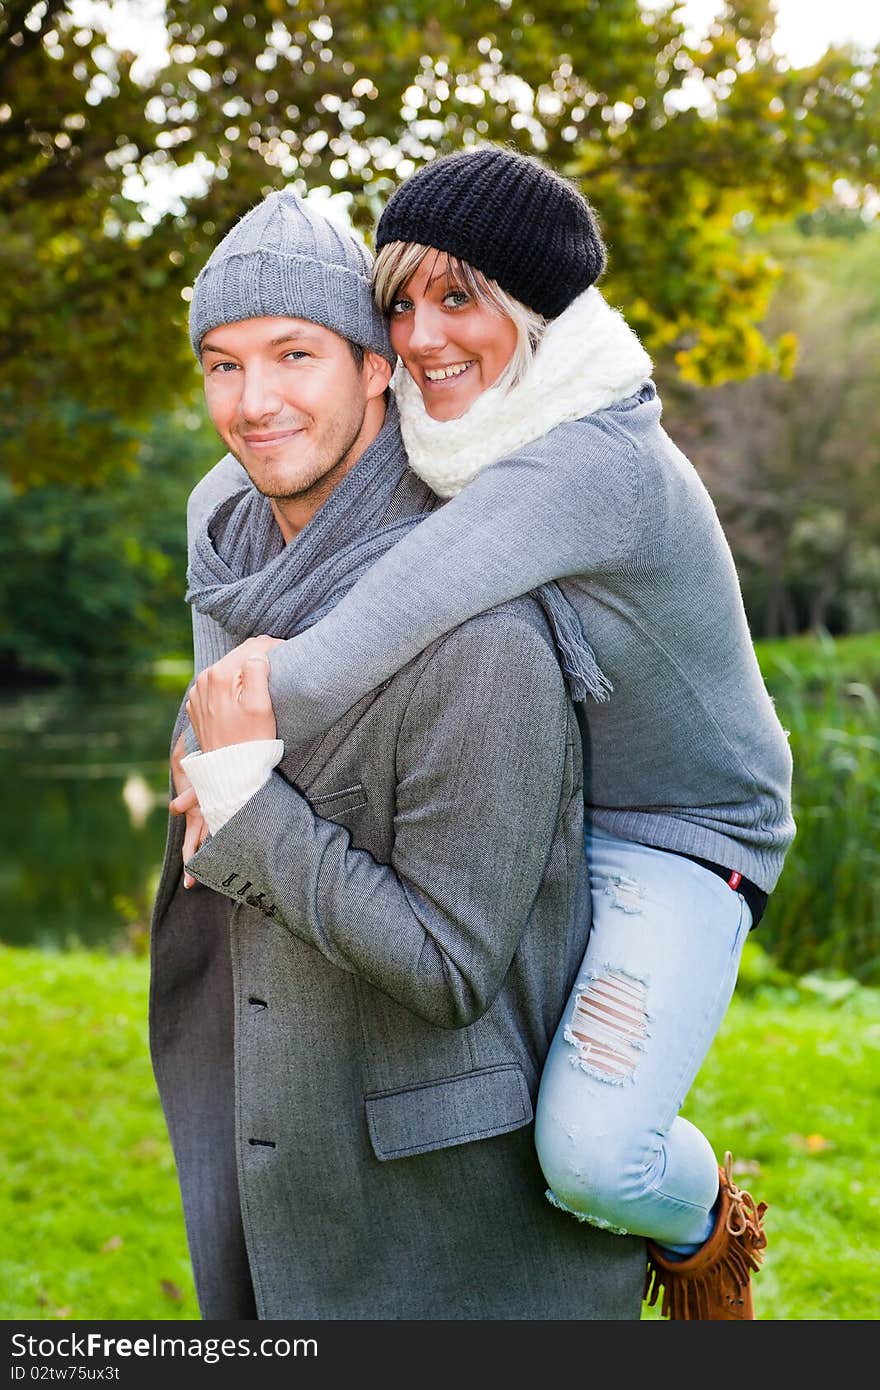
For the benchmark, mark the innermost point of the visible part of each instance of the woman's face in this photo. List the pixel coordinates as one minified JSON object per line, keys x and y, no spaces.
{"x":453,"y":347}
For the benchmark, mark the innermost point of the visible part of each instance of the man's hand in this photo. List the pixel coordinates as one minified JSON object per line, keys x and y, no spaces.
{"x":185,"y":803}
{"x":230,"y":701}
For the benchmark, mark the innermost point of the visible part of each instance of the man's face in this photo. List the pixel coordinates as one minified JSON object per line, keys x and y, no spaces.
{"x":290,"y":402}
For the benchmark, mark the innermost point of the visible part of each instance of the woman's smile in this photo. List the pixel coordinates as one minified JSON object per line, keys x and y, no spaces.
{"x":447,"y":373}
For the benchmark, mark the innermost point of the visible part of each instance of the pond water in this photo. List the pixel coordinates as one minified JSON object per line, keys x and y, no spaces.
{"x":83,"y":815}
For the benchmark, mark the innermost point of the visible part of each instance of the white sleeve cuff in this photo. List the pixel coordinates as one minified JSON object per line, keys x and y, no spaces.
{"x":226,"y":778}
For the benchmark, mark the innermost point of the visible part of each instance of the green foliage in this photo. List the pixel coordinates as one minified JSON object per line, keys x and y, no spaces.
{"x":676,"y":142}
{"x":825,"y":913}
{"x":94,"y":575}
{"x":87,"y":339}
{"x":91,"y":1220}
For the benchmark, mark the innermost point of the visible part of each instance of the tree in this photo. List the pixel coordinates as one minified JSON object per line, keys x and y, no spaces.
{"x":676,"y":141}
{"x":793,"y":465}
{"x":94,"y":574}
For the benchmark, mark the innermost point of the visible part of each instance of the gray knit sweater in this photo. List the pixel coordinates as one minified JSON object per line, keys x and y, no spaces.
{"x":687,"y":753}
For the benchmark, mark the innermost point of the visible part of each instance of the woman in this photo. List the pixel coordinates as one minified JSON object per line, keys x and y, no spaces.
{"x":526,"y":400}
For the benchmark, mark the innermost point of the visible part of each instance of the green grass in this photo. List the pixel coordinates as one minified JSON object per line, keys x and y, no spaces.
{"x":790,"y":1087}
{"x":90,"y":1217}
{"x":816,"y":659}
{"x":90,"y":1214}
{"x":825,"y":911}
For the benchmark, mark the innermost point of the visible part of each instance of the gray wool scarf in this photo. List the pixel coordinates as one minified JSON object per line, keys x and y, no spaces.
{"x":243,"y":575}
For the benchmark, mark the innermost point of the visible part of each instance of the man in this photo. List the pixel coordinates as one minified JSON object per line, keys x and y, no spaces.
{"x":351,"y":1005}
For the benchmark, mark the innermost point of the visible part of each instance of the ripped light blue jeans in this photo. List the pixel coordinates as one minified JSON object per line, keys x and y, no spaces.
{"x":655,"y":982}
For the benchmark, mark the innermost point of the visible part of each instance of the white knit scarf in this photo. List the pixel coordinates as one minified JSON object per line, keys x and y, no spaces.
{"x":587,"y":359}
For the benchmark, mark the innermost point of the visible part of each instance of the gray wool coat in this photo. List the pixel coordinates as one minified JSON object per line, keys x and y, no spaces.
{"x":350,"y":1011}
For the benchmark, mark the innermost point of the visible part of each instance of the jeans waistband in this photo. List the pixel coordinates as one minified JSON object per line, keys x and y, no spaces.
{"x":755,"y":897}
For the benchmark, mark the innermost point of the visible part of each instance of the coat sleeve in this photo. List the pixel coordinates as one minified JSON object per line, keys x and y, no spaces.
{"x":564,"y":506}
{"x":479,"y":769}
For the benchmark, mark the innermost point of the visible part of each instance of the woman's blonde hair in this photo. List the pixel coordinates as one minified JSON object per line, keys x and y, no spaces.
{"x":397,"y":263}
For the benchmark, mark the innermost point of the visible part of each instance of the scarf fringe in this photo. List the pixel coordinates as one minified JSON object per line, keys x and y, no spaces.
{"x":586,"y":679}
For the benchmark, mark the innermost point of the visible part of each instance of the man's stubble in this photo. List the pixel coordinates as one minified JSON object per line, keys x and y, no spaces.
{"x":326,"y":472}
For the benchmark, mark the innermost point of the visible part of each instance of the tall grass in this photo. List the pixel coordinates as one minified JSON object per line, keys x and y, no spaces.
{"x":825,"y":913}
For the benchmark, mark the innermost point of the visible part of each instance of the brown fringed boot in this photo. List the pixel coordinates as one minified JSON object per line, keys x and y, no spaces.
{"x":715,"y":1282}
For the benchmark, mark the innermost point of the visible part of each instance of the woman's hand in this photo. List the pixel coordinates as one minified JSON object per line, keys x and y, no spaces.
{"x":233,"y":662}
{"x":230,"y":701}
{"x":185,"y":803}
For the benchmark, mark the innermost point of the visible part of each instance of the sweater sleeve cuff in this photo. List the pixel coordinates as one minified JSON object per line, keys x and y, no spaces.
{"x":226,"y":778}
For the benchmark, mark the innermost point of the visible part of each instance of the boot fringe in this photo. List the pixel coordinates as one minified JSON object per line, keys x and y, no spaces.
{"x":688,"y":1296}
{"x":692,"y":1293}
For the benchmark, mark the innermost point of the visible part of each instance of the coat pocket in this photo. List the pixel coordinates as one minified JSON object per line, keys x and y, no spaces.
{"x":452,"y":1110}
{"x":330,"y":805}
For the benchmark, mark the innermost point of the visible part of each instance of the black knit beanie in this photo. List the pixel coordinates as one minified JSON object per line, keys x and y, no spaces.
{"x":508,"y":216}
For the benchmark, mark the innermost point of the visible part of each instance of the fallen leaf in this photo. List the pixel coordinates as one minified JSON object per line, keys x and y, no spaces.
{"x":816,"y":1143}
{"x":171,"y":1290}
{"x":811,"y":1143}
{"x":114,"y":1243}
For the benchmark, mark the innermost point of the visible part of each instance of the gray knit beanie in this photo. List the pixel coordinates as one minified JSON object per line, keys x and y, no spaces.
{"x":284,"y":258}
